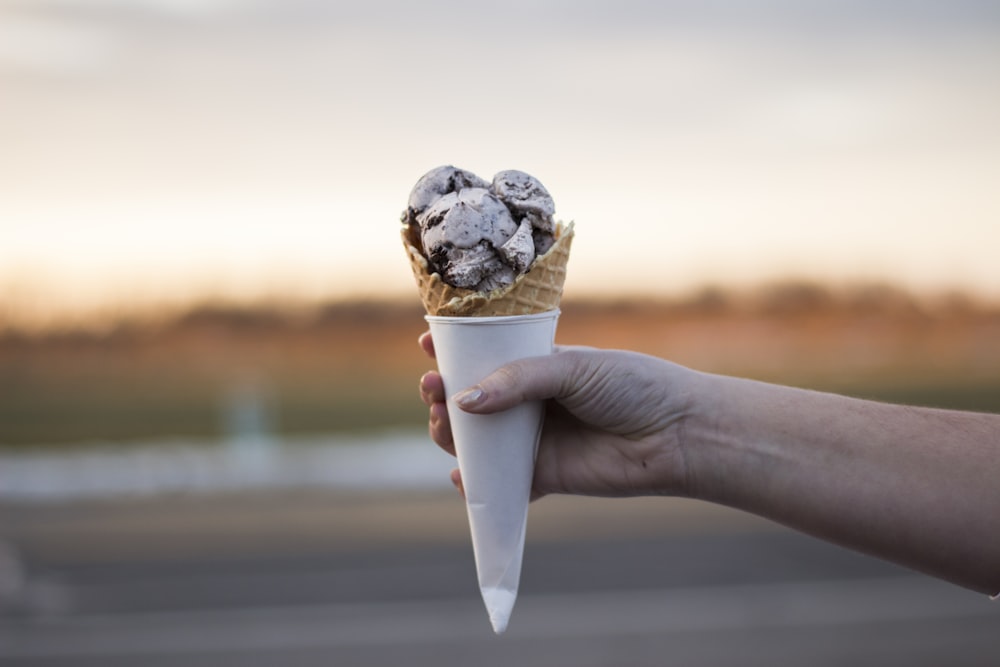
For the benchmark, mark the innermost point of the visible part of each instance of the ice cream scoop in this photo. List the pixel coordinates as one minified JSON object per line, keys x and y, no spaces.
{"x":435,"y":183}
{"x":525,"y":195}
{"x":477,"y":235}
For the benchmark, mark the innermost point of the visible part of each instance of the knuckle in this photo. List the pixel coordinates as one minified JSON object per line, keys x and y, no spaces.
{"x":508,"y":376}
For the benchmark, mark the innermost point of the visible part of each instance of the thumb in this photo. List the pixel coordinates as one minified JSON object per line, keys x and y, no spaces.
{"x":529,"y":379}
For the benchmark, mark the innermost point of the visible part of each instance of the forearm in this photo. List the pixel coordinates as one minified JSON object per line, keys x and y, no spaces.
{"x":916,"y":486}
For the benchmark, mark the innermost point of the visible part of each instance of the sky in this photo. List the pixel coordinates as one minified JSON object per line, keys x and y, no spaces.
{"x":154,"y":152}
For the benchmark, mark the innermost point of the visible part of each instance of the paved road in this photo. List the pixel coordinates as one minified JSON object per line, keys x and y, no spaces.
{"x":600,"y":587}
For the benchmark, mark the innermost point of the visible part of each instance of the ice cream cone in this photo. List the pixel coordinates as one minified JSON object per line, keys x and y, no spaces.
{"x":537,"y":291}
{"x":496,"y":452}
{"x":474,"y":334}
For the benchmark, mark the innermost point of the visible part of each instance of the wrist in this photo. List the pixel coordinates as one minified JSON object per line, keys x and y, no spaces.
{"x":710,"y":437}
{"x":686,"y":437}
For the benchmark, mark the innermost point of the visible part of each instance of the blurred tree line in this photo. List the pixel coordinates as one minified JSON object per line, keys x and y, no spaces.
{"x":353,"y":365}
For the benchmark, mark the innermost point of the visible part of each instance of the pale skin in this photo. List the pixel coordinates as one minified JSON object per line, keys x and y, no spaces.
{"x":916,"y":486}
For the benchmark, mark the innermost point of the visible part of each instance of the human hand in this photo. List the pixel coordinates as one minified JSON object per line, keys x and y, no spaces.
{"x":613,"y":425}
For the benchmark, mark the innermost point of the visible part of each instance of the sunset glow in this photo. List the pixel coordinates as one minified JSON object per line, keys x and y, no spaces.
{"x":157,"y":152}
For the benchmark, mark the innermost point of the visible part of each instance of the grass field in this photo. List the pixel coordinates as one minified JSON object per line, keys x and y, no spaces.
{"x":354,"y":366}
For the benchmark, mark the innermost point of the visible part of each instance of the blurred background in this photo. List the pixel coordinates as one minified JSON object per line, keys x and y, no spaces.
{"x":211,"y":446}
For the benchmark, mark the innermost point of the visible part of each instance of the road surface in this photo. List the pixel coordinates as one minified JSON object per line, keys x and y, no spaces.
{"x":325,"y":579}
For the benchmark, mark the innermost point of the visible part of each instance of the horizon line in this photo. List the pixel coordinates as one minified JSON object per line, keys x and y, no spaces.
{"x":769,"y":294}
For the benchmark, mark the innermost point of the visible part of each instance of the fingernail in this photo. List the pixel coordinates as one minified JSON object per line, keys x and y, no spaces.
{"x":468,"y":398}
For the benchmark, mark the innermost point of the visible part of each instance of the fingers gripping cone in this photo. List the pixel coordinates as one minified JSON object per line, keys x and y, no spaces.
{"x":474,"y":334}
{"x":496,"y":452}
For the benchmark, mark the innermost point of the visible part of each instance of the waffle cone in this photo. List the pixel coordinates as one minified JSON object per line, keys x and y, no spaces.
{"x":537,"y":291}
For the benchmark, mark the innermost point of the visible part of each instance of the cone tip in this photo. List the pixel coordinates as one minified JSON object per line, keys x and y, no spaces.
{"x":499,"y":622}
{"x":499,"y":605}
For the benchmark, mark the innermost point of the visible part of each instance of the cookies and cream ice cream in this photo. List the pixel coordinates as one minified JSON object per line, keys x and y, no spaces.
{"x":478,"y":235}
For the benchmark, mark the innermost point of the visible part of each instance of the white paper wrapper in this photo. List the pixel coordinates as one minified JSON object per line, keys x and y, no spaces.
{"x":496,"y":453}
